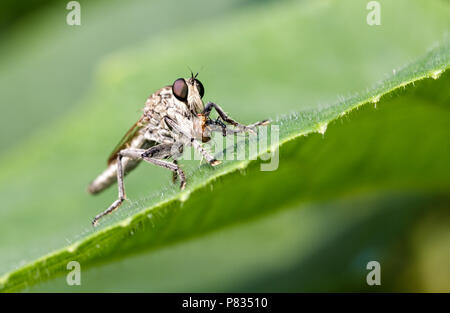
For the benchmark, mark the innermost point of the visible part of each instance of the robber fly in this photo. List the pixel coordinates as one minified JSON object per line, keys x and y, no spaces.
{"x":173,"y":117}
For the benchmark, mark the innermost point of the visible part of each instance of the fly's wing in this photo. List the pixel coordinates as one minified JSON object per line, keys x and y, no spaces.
{"x":133,"y":138}
{"x":125,"y":141}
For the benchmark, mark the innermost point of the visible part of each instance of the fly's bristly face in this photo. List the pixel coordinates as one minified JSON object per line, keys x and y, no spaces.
{"x":190,"y":91}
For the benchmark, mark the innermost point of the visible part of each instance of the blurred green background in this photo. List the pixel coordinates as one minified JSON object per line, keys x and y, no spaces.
{"x":68,"y":93}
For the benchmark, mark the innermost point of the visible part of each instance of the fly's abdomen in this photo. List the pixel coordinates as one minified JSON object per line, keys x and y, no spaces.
{"x":104,"y":180}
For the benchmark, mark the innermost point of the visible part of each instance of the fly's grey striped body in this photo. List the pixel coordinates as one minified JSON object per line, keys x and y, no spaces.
{"x":173,"y":117}
{"x":152,"y":130}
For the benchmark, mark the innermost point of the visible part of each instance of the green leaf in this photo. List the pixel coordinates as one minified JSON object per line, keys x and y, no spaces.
{"x":367,"y":154}
{"x":373,"y":187}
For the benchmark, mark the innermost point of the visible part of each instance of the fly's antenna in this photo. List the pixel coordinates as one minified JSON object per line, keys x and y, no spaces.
{"x":190,"y":70}
{"x":192,"y":74}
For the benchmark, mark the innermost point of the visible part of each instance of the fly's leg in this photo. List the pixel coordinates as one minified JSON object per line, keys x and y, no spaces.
{"x":194,"y":142}
{"x":210,"y":105}
{"x":208,"y":157}
{"x":121,"y":196}
{"x":161,"y":150}
{"x":243,"y":128}
{"x":154,"y":156}
{"x":174,"y":174}
{"x":171,"y":166}
{"x":219,"y":126}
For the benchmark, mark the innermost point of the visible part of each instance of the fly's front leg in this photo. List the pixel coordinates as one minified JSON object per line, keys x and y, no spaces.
{"x":210,"y":105}
{"x":214,"y":124}
{"x":219,"y":126}
{"x":243,"y":128}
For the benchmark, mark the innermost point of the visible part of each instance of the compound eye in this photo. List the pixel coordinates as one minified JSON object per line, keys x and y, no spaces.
{"x":180,"y":89}
{"x":200,"y":88}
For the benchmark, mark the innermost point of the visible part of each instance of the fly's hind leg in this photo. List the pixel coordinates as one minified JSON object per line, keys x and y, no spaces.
{"x":121,"y":196}
{"x":152,"y":156}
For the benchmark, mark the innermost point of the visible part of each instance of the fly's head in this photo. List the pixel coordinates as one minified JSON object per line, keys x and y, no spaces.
{"x":190,"y":91}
